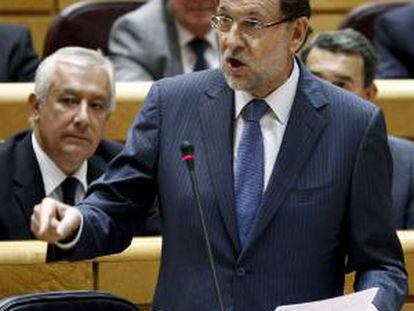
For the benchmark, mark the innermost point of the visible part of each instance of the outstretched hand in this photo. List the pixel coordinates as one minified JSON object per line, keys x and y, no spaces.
{"x":53,"y":221}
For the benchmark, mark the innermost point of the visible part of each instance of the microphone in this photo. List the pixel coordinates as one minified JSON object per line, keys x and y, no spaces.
{"x":187,"y":151}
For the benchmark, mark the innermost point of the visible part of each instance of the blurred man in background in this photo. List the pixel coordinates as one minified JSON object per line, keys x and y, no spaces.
{"x":18,"y":60}
{"x":348,"y":60}
{"x":392,"y":33}
{"x":164,"y":38}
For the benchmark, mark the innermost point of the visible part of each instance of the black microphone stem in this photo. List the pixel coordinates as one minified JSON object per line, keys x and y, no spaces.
{"x":194,"y":184}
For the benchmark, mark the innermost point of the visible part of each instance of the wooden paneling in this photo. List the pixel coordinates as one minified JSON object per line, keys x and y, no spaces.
{"x":23,"y":270}
{"x":138,"y":265}
{"x":27,"y":6}
{"x":395,"y":97}
{"x":65,"y":3}
{"x":131,"y":274}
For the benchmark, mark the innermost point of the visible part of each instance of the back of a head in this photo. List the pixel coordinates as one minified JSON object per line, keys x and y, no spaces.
{"x":295,"y":8}
{"x":347,"y":41}
{"x":77,"y":56}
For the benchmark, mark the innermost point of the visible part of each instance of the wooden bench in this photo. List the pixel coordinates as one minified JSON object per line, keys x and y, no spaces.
{"x":396,"y":98}
{"x":131,"y":274}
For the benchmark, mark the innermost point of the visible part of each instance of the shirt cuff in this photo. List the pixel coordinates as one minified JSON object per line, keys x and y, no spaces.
{"x":71,"y":244}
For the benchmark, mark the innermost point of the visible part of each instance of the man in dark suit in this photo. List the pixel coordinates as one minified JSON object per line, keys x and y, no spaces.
{"x":393,"y":44}
{"x":162,"y":39}
{"x":74,"y":96}
{"x":347,"y":59}
{"x":18,"y":60}
{"x":294,"y":176}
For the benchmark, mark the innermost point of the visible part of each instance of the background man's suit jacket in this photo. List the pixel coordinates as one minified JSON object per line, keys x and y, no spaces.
{"x":22,"y":184}
{"x":18,"y":60}
{"x":402,"y":151}
{"x":326,"y":209}
{"x":394,"y":44}
{"x":143,"y":44}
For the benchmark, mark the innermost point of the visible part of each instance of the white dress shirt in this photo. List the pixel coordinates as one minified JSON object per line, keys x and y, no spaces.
{"x":53,"y":176}
{"x":188,"y":57}
{"x":273,"y":123}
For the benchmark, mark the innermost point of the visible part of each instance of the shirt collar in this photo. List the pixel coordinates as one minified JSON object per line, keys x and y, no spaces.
{"x":52,"y":175}
{"x":280,"y":100}
{"x":185,"y":36}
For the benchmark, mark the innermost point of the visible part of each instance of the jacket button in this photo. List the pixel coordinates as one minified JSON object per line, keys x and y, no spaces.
{"x":240,"y":272}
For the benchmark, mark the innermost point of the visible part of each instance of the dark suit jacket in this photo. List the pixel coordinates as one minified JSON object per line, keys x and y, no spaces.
{"x":143,"y":44}
{"x":326,"y":209}
{"x":394,"y":45}
{"x":22,"y":183}
{"x":402,"y":152}
{"x":18,"y":60}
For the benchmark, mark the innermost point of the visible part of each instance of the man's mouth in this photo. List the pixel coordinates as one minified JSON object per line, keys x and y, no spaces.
{"x":234,"y":62}
{"x":235,"y":66}
{"x":78,"y":137}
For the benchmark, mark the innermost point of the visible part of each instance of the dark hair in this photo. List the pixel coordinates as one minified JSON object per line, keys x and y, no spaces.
{"x":293,"y":9}
{"x":347,"y":41}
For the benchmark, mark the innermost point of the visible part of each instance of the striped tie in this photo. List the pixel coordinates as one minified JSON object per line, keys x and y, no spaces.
{"x":249,"y":168}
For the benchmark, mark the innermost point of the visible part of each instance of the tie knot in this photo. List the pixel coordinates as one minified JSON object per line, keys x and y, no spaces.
{"x":255,"y":110}
{"x":69,"y":186}
{"x":198,"y":45}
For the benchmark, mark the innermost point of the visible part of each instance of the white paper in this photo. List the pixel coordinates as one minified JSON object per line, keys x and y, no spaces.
{"x":359,"y":301}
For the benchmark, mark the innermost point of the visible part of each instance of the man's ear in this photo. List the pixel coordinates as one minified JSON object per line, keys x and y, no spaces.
{"x":371,"y":92}
{"x":299,"y":33}
{"x":34,"y":107}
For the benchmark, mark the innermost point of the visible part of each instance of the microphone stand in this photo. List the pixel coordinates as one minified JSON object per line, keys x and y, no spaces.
{"x":187,"y":150}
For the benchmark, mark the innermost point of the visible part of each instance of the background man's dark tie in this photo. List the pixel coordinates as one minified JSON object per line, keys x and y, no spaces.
{"x":69,"y":186}
{"x":199,"y":47}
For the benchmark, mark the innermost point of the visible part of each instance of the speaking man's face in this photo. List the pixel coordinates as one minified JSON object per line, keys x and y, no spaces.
{"x":257,"y":60}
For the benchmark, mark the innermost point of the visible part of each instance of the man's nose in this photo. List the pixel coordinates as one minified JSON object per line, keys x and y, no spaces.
{"x":81,"y":117}
{"x":234,"y":37}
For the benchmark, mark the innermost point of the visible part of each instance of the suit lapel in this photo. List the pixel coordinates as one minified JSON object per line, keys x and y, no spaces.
{"x":303,"y":131}
{"x":27,"y":178}
{"x":95,"y":169}
{"x":216,"y":115}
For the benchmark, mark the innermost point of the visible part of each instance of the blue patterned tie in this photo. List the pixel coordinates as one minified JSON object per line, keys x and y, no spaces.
{"x":250,"y":168}
{"x":199,"y":46}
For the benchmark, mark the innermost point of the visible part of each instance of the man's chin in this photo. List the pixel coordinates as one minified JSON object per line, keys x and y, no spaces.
{"x":237,"y":84}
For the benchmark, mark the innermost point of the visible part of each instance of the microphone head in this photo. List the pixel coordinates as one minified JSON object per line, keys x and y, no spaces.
{"x":187,"y":148}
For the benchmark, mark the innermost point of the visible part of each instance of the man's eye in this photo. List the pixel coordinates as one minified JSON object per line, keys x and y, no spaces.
{"x":340,"y":84}
{"x":97,"y":106}
{"x":68,"y":101}
{"x":252,"y":24}
{"x":226,"y":21}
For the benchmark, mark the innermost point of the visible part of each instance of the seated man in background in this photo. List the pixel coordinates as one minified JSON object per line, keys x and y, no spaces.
{"x":164,"y":38}
{"x":18,"y":60}
{"x":394,"y":46}
{"x":347,"y":59}
{"x":73,"y":99}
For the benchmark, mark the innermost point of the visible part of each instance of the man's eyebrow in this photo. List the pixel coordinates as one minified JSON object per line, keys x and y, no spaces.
{"x":344,"y":77}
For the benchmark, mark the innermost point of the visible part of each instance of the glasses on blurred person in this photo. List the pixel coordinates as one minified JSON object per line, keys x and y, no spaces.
{"x":246,"y":27}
